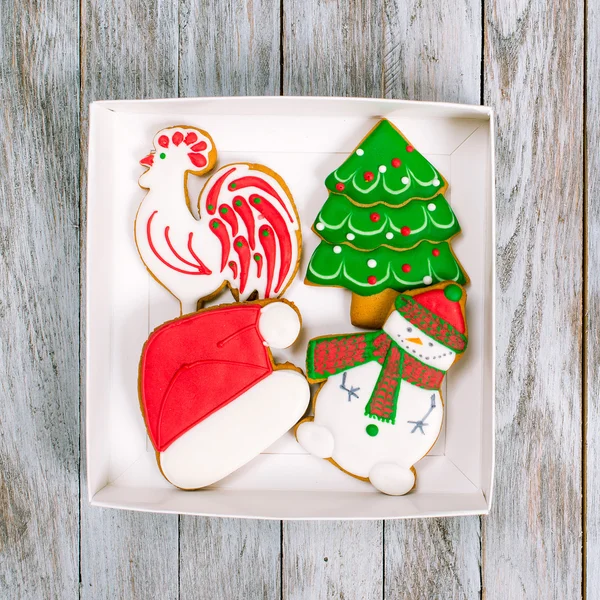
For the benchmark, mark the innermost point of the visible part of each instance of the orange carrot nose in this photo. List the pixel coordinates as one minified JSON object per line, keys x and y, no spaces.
{"x":415,"y":341}
{"x":147,"y":161}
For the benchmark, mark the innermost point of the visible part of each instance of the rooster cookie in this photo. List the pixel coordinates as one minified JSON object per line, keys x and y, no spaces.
{"x":379,"y":409}
{"x":211,"y":394}
{"x":248,"y":235}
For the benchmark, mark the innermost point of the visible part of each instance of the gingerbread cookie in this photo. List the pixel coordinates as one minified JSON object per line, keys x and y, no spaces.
{"x":211,"y":394}
{"x":379,"y":408}
{"x":385,"y":227}
{"x":248,"y":235}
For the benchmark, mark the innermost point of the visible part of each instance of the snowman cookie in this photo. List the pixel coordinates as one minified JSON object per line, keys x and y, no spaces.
{"x":211,"y":394}
{"x":379,"y":409}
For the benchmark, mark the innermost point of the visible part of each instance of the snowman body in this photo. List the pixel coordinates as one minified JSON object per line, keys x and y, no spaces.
{"x":346,"y":430}
{"x":361,"y":442}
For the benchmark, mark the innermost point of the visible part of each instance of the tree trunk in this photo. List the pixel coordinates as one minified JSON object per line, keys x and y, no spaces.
{"x":371,"y":312}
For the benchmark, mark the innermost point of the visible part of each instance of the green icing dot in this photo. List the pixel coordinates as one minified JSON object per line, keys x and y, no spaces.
{"x":265,"y":232}
{"x":372,"y":430}
{"x":238,"y":202}
{"x":210,"y":207}
{"x":256,"y":200}
{"x":239,"y":244}
{"x":257,"y":257}
{"x":232,"y":186}
{"x":223,"y":210}
{"x":163,"y":155}
{"x":215,"y":224}
{"x":453,"y":292}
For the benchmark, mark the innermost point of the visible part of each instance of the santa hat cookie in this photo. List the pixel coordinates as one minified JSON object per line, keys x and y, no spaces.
{"x":439,"y":313}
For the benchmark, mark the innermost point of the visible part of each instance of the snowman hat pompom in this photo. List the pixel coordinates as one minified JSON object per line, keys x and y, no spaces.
{"x":439,"y":313}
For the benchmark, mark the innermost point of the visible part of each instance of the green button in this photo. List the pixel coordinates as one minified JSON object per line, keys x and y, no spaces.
{"x":372,"y":430}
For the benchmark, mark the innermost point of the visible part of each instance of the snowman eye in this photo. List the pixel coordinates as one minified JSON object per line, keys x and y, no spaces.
{"x":409,"y":329}
{"x":431,"y":344}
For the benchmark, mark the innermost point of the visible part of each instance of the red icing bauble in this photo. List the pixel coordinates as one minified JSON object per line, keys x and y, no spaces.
{"x":405,"y":230}
{"x":339,"y":187}
{"x":368,"y":176}
{"x":435,"y":252}
{"x":372,"y":279}
{"x":406,"y":268}
{"x":409,"y":148}
{"x":193,"y":366}
{"x":396,"y":162}
{"x":375,"y":217}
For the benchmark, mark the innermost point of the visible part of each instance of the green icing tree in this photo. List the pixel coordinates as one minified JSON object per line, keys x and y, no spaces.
{"x":386,"y":225}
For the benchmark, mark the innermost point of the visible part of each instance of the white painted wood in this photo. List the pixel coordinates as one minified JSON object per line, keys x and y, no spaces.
{"x":39,"y":387}
{"x":333,"y":559}
{"x":592,"y":304}
{"x":433,"y":52}
{"x":332,"y":48}
{"x":532,"y":541}
{"x":229,"y":559}
{"x":229,"y":48}
{"x":129,"y":50}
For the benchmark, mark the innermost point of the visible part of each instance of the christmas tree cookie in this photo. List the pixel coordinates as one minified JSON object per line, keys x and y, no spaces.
{"x":379,"y":408}
{"x":385,"y":227}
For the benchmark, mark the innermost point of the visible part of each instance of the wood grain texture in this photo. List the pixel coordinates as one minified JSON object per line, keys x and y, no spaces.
{"x":332,"y":48}
{"x":129,"y":50}
{"x":39,"y":387}
{"x":229,"y":48}
{"x":433,"y":52}
{"x":331,"y":560}
{"x":532,"y":544}
{"x":233,"y":559}
{"x":592,"y":299}
{"x":433,"y":558}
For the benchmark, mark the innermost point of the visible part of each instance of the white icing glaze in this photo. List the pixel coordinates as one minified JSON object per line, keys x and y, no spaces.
{"x":183,"y":253}
{"x":354,"y":449}
{"x":427,"y":280}
{"x":371,"y":263}
{"x":337,"y":249}
{"x":431,"y":206}
{"x":389,"y":235}
{"x":238,"y":432}
{"x":350,"y":236}
{"x":279,"y":324}
{"x":339,"y":430}
{"x":360,"y":152}
{"x":382,"y":168}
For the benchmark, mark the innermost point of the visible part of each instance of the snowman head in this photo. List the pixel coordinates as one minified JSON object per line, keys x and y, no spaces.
{"x":431,"y":325}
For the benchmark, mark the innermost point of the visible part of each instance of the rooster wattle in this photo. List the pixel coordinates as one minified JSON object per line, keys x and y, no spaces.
{"x":248,"y":234}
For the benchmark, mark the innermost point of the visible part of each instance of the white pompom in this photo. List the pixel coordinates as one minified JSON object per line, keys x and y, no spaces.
{"x":279,"y":324}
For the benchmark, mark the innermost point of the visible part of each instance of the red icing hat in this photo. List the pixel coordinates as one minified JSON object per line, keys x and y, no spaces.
{"x":438,"y":313}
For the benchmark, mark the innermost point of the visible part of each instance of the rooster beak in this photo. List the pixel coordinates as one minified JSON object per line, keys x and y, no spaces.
{"x":147,"y":161}
{"x":415,"y":341}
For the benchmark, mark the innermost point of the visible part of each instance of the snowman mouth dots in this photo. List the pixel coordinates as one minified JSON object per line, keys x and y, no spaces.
{"x":379,"y":408}
{"x":385,"y":228}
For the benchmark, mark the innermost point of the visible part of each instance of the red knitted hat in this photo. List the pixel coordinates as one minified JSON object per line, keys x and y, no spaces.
{"x":437,"y":313}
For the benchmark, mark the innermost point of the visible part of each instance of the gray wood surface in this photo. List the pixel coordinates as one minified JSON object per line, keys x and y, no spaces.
{"x":423,"y":62}
{"x":591,"y":543}
{"x":128,"y":50}
{"x":532,"y":541}
{"x":39,"y":314}
{"x":58,"y":56}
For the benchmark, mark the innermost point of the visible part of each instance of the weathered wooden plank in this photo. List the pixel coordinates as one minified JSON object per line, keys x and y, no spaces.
{"x":332,"y":48}
{"x":230,"y":558}
{"x":433,"y":52}
{"x":227,"y":48}
{"x":532,"y":541}
{"x":333,"y":559}
{"x":592,"y":300}
{"x":39,"y":389}
{"x":129,"y":50}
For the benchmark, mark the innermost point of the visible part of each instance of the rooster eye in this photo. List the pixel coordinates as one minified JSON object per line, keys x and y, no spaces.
{"x":163,"y":155}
